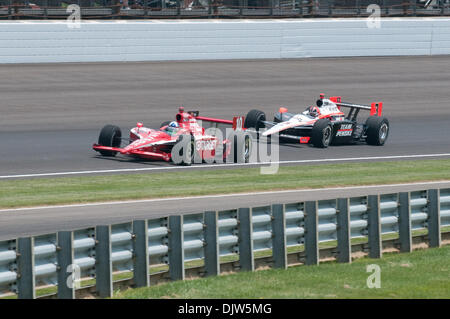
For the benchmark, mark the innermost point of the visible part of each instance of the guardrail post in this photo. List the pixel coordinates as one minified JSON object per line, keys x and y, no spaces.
{"x":211,"y":235}
{"x":65,"y":256}
{"x":25,"y":263}
{"x":404,"y":222}
{"x":374,"y":227}
{"x":434,"y":218}
{"x":246,"y":259}
{"x":279,"y":237}
{"x":311,"y":233}
{"x":141,"y":258}
{"x":103,"y":269}
{"x":343,"y":231}
{"x":176,"y":248}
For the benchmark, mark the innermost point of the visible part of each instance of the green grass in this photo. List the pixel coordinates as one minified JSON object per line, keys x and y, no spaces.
{"x":65,"y":190}
{"x":420,"y":274}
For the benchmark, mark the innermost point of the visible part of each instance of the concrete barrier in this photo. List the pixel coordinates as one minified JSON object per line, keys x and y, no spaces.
{"x":155,"y":40}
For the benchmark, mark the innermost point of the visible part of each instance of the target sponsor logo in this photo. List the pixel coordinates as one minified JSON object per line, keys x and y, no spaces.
{"x":207,"y":145}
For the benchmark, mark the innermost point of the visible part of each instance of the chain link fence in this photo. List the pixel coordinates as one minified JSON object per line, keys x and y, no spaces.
{"x":140,"y":9}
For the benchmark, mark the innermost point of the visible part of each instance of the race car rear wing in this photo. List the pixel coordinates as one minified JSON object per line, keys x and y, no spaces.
{"x":237,"y":123}
{"x":375,"y":108}
{"x":214,"y":120}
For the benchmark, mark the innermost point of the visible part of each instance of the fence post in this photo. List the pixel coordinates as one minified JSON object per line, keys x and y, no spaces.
{"x":311,"y":233}
{"x":176,"y":248}
{"x":343,"y":231}
{"x":65,"y":256}
{"x":103,"y":269}
{"x":211,"y":235}
{"x":434,"y":218}
{"x":375,"y":244}
{"x":404,"y":223}
{"x":279,"y":236}
{"x":210,"y":11}
{"x":25,"y":263}
{"x":246,"y":259}
{"x":141,"y":259}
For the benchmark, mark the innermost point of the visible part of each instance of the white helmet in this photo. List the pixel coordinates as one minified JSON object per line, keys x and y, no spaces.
{"x":173,"y":124}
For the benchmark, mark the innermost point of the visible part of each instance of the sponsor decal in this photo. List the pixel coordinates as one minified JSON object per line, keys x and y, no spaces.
{"x":345,"y":130}
{"x":208,"y":145}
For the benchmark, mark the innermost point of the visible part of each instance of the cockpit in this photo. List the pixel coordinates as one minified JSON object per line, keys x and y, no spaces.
{"x":172,"y":129}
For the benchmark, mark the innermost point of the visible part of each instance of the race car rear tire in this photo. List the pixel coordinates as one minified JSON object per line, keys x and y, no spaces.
{"x":321,"y":133}
{"x":186,"y":142}
{"x":242,"y":147}
{"x":254,"y":119}
{"x":377,"y":130}
{"x":164,"y":123}
{"x":110,"y":136}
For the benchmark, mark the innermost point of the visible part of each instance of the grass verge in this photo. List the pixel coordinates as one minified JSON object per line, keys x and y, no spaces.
{"x":69,"y":190}
{"x":420,"y":274}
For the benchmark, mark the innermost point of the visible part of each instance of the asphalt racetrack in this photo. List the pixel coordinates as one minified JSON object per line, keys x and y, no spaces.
{"x":52,"y":113}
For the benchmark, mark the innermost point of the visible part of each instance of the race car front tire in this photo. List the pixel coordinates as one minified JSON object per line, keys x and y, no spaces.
{"x":242,"y":147}
{"x":254,"y":119}
{"x":110,"y":136}
{"x":186,"y":143}
{"x":377,"y":130}
{"x":321,"y":133}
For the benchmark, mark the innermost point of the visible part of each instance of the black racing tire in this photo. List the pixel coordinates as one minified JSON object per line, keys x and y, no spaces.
{"x":377,"y":130}
{"x":254,"y":119}
{"x":186,"y":142}
{"x":242,"y":147}
{"x":321,"y":133}
{"x":164,"y":123}
{"x":110,"y":135}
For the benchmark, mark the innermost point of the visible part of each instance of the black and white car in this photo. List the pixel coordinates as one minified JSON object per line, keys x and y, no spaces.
{"x":324,"y":124}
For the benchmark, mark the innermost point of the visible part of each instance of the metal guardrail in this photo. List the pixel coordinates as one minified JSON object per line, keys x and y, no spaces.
{"x":54,"y":260}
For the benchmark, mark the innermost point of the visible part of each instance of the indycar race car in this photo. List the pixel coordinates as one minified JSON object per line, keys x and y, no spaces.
{"x":324,"y":124}
{"x":183,"y":138}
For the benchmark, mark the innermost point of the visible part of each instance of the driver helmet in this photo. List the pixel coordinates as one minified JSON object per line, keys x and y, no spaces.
{"x":314,"y":111}
{"x":173,"y":124}
{"x":172,"y":128}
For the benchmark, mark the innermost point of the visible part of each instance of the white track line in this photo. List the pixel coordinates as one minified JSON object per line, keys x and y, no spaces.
{"x":126,"y":202}
{"x":123,"y":170}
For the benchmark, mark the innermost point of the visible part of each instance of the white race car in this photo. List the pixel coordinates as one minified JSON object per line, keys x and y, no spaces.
{"x":324,"y":124}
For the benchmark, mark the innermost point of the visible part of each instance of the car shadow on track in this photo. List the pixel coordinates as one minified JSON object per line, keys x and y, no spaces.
{"x":133,"y":160}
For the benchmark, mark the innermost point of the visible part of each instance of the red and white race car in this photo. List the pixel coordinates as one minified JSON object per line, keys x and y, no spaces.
{"x":183,"y":141}
{"x":324,"y":124}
